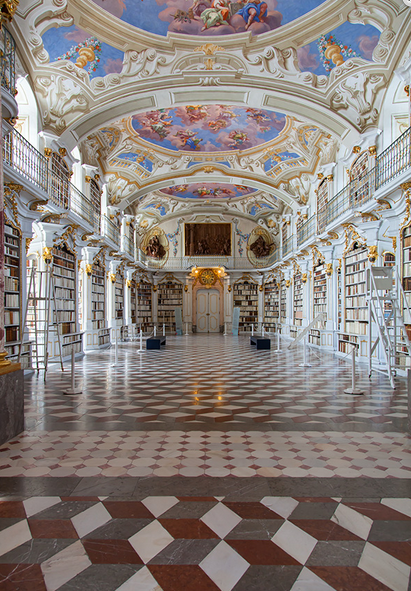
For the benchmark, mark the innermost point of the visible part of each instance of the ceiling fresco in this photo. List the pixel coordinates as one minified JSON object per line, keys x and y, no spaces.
{"x":205,"y":17}
{"x":208,"y":191}
{"x":208,"y":128}
{"x":88,"y":53}
{"x":337,"y":46}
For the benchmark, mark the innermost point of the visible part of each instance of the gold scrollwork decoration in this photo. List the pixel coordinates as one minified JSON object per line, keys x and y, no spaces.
{"x":372,"y":254}
{"x":209,"y":48}
{"x":89,"y":270}
{"x":47,"y":255}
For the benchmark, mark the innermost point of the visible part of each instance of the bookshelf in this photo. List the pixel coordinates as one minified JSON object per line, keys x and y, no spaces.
{"x":246,"y":298}
{"x":170,"y":296}
{"x":339,"y":298}
{"x":298,"y":300}
{"x":406,"y":263}
{"x":12,"y":298}
{"x":133,"y":301}
{"x":355,"y":304}
{"x":283,"y":301}
{"x":144,"y":303}
{"x":64,"y":273}
{"x":271,"y":305}
{"x":320,"y":290}
{"x":98,"y":296}
{"x":119,"y":298}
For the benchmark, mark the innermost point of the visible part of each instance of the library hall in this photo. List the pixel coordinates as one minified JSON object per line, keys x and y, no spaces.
{"x":205,"y":295}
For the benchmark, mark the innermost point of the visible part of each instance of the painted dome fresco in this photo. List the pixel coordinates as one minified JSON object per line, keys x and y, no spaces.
{"x":208,"y":128}
{"x":207,"y":17}
{"x":208,"y":191}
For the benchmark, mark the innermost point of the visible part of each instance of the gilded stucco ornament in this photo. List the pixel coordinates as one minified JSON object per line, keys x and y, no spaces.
{"x":89,"y":270}
{"x":329,"y":269}
{"x":47,"y":255}
{"x":372,"y":253}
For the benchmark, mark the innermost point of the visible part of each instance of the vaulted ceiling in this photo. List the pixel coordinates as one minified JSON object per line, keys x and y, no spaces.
{"x":182,"y":103}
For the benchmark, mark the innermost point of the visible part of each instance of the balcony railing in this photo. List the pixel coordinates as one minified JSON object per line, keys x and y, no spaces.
{"x":307,"y":230}
{"x":65,"y":195}
{"x":111,"y":231}
{"x":128,"y":246}
{"x":356,"y":193}
{"x":394,"y":160}
{"x":7,"y":61}
{"x":288,"y":245}
{"x":185,"y":263}
{"x":83,"y":207}
{"x":24,"y":159}
{"x":389,"y":164}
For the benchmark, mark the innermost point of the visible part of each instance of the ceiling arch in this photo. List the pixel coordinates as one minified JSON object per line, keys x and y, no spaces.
{"x":206,"y":174}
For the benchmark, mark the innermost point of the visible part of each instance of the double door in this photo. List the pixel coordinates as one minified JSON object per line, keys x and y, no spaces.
{"x":208,"y":310}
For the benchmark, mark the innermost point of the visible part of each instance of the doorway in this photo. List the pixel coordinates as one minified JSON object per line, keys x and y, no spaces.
{"x":208,"y":310}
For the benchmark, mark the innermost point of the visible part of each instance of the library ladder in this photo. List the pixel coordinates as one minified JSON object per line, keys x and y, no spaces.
{"x":41,"y":317}
{"x":386,"y":305}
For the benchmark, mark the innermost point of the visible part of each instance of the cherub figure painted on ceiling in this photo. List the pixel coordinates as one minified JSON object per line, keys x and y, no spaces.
{"x":189,"y":139}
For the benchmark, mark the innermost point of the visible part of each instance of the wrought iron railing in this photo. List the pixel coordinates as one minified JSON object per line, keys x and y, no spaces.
{"x":356,"y":193}
{"x":184,"y":263}
{"x":111,"y":231}
{"x":394,"y":160}
{"x":83,"y":207}
{"x":307,"y":230}
{"x":23,"y":158}
{"x":8,"y":61}
{"x":288,"y":245}
{"x":128,"y":246}
{"x":389,"y":164}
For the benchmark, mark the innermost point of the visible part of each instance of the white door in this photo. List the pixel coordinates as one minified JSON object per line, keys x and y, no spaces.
{"x":208,"y":310}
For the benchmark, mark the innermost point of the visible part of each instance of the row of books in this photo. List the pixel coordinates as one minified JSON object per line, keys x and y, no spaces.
{"x":62,"y":272}
{"x":357,"y":314}
{"x":355,"y":278}
{"x":11,"y":283}
{"x":11,"y":317}
{"x":8,"y":239}
{"x":66,"y":316}
{"x":11,"y":300}
{"x":357,"y":327}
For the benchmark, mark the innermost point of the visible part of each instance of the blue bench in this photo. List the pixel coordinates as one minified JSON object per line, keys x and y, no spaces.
{"x":155,"y":342}
{"x":260,"y":342}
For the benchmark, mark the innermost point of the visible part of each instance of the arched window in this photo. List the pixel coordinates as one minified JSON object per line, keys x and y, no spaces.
{"x":60,"y":181}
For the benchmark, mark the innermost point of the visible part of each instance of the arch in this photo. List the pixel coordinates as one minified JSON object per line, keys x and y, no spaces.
{"x":220,"y":174}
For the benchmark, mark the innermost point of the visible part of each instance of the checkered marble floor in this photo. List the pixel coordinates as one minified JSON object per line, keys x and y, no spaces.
{"x":207,"y":466}
{"x":215,"y":454}
{"x":190,"y":383}
{"x":209,"y":543}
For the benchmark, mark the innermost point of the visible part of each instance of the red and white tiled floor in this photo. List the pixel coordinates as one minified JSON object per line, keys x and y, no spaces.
{"x":208,"y":466}
{"x":198,"y":453}
{"x":204,"y":543}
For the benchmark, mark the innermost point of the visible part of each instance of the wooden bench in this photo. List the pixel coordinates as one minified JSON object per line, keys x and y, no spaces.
{"x":155,"y":342}
{"x":260,"y":342}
